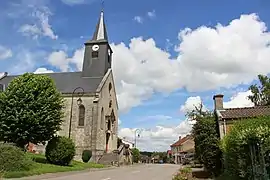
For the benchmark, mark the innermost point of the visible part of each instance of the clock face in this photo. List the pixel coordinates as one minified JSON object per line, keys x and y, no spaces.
{"x":95,"y":47}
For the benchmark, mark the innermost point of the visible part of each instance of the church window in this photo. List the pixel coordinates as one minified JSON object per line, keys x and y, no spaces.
{"x":95,"y":54}
{"x":110,"y":104}
{"x":110,"y":87}
{"x":81,"y":115}
{"x":102,"y":119}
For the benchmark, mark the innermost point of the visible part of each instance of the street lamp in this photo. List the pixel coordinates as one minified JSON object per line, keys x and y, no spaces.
{"x":79,"y":102}
{"x":137,"y":133}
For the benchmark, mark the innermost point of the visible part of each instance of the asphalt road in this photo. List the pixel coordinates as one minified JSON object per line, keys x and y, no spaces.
{"x":137,"y":172}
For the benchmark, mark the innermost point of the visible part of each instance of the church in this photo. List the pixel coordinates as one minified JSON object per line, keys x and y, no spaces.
{"x":91,"y":109}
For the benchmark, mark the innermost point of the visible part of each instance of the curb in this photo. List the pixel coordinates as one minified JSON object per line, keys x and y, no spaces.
{"x":59,"y":174}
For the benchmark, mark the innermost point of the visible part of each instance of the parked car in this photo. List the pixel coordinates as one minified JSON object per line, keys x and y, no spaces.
{"x":188,"y":159}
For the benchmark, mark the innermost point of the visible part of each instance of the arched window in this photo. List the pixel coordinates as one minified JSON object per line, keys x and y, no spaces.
{"x":110,"y":87}
{"x":110,"y":104}
{"x":81,"y":115}
{"x":102,"y":119}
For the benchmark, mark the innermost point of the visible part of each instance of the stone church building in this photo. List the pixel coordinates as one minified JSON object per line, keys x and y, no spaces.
{"x":90,"y":98}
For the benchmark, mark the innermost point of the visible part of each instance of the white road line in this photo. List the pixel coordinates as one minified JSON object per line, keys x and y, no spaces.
{"x":106,"y":179}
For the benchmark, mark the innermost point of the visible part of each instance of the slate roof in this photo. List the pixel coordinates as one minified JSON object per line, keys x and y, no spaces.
{"x":66,"y":82}
{"x":247,"y":112}
{"x":181,"y":141}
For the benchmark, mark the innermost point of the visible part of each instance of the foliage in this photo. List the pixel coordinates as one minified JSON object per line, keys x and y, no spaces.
{"x":146,"y":153}
{"x":261,"y":94}
{"x":162,"y":156}
{"x":86,"y":155}
{"x":237,"y":146}
{"x":183,"y":174}
{"x":30,"y":110}
{"x":41,"y":166}
{"x":60,"y":151}
{"x":13,"y":159}
{"x":206,"y":138}
{"x":136,"y":155}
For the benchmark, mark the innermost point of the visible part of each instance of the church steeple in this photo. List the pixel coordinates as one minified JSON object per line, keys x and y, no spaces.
{"x":97,"y":54}
{"x":100,"y":32}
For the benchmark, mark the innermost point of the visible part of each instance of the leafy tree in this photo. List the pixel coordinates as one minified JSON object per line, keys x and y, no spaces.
{"x":135,"y":154}
{"x":206,"y":139}
{"x":261,"y":93}
{"x":30,"y":110}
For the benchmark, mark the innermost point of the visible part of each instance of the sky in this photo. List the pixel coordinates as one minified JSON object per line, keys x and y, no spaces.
{"x":168,"y":55}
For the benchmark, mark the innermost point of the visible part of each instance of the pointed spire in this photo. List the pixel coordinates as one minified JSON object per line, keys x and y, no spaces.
{"x":101,"y":32}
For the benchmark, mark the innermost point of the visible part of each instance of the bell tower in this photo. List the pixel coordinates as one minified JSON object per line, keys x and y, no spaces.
{"x":98,"y":53}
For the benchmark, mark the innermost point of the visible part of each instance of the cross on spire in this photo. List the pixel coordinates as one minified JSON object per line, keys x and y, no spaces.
{"x":101,"y":32}
{"x":102,"y":5}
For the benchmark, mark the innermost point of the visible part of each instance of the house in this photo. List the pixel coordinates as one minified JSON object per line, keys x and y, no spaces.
{"x":227,"y":116}
{"x":182,"y":147}
{"x":93,"y":123}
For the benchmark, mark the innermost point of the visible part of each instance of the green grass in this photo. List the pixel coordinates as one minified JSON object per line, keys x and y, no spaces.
{"x":41,"y":166}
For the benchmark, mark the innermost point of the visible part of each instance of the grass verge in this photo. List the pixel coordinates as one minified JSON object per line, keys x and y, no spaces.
{"x":41,"y":166}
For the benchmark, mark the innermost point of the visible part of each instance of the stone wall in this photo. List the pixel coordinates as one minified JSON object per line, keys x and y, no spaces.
{"x":107,"y":94}
{"x":81,"y":135}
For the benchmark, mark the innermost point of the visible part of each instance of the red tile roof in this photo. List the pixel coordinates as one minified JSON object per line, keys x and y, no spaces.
{"x":181,"y":141}
{"x":247,"y":112}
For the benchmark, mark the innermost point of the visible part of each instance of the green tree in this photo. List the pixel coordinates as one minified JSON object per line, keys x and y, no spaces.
{"x":205,"y":132}
{"x":136,"y":155}
{"x":30,"y":110}
{"x":260,"y":93}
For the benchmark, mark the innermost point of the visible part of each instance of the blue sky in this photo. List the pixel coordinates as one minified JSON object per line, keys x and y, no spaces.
{"x":192,"y":49}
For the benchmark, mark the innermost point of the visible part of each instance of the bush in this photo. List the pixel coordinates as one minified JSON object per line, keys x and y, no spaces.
{"x":13,"y":159}
{"x":183,"y":174}
{"x":60,"y":151}
{"x":245,"y":146}
{"x":207,"y":144}
{"x":86,"y":155}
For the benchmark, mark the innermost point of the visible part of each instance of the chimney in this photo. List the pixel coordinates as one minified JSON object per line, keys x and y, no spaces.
{"x":218,"y":101}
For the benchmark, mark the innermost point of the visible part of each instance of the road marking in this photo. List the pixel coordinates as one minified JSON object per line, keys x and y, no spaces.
{"x":106,"y":179}
{"x":133,"y":172}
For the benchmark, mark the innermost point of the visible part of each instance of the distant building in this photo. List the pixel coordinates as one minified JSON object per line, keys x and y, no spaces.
{"x":182,"y":147}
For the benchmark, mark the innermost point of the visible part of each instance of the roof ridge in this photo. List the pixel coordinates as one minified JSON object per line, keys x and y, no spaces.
{"x":253,"y":107}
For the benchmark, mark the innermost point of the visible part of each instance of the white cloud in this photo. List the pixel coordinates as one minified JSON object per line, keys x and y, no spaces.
{"x":158,"y":138}
{"x":42,"y":71}
{"x":151,"y":14}
{"x":5,"y":53}
{"x":239,"y":100}
{"x":40,"y":23}
{"x":191,"y":103}
{"x":138,"y":19}
{"x":77,"y":2}
{"x":61,"y":60}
